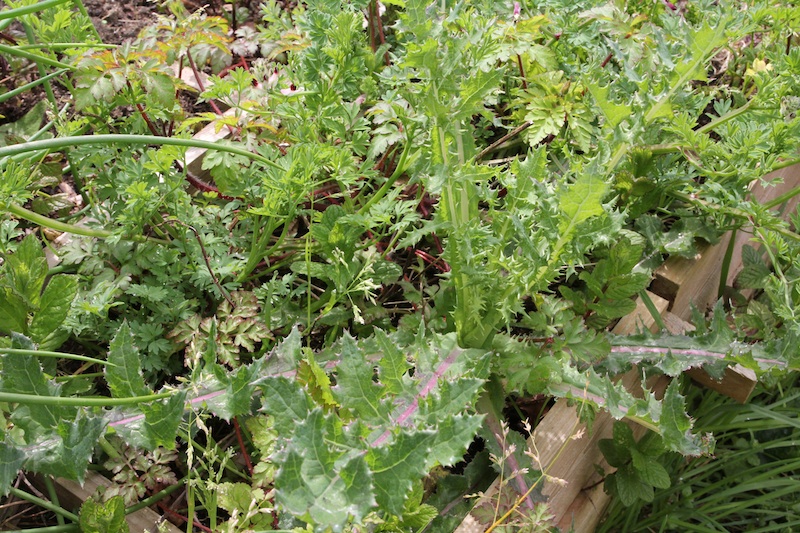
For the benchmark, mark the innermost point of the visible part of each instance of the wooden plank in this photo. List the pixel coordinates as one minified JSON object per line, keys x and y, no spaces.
{"x":71,"y":495}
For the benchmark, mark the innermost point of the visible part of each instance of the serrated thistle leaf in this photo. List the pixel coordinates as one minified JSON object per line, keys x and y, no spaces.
{"x":54,"y":305}
{"x":355,"y":388}
{"x":23,"y":374}
{"x":161,"y":421}
{"x":675,"y":425}
{"x":393,"y":364}
{"x":79,"y":438}
{"x":581,"y":201}
{"x":125,"y":377}
{"x":320,"y":482}
{"x":239,"y":389}
{"x":614,"y":113}
{"x":68,"y":451}
{"x":153,"y":425}
{"x":396,"y":467}
{"x":11,"y":459}
{"x":286,"y":402}
{"x":452,"y":438}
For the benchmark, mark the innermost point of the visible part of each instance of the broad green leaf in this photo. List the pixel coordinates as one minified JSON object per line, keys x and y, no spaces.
{"x":650,"y":471}
{"x":107,"y":517}
{"x":285,"y":402}
{"x":13,"y":312}
{"x":397,"y":467}
{"x":626,"y":286}
{"x":26,"y":271}
{"x":675,"y":425}
{"x":125,"y":377}
{"x":623,"y":435}
{"x":615,"y":455}
{"x":318,"y":481}
{"x":161,"y":421}
{"x":54,"y":306}
{"x":11,"y":460}
{"x":23,"y":374}
{"x":355,"y":388}
{"x":627,"y":485}
{"x":614,"y":113}
{"x":581,"y":201}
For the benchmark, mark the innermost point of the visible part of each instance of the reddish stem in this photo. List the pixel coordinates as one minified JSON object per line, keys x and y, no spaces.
{"x":437,"y":262}
{"x":522,"y":72}
{"x":240,"y":440}
{"x":381,"y":35}
{"x":145,"y":116}
{"x":184,"y":519}
{"x":606,"y":60}
{"x":201,"y":185}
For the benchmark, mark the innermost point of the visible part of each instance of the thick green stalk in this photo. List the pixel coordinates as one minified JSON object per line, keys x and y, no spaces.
{"x":25,"y":10}
{"x":48,"y":88}
{"x":31,"y":85}
{"x":53,"y":495}
{"x":398,"y":171}
{"x":22,"y":495}
{"x":36,"y":58}
{"x":158,"y":496}
{"x":60,"y":143}
{"x":45,"y":222}
{"x":79,"y":401}
{"x":67,"y":528}
{"x":60,"y":355}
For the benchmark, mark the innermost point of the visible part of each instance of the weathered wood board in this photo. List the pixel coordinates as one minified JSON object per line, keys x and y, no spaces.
{"x":71,"y":495}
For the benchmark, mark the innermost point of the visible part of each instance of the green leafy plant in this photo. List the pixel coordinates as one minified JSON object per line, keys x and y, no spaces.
{"x":414,"y":215}
{"x":638,"y":467}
